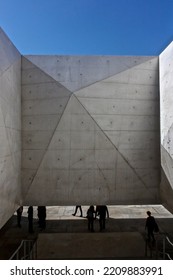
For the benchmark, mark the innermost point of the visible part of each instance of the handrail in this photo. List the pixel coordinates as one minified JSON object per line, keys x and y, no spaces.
{"x":168,"y":255}
{"x":163,"y":252}
{"x":166,"y":238}
{"x":169,"y":240}
{"x":26,"y":250}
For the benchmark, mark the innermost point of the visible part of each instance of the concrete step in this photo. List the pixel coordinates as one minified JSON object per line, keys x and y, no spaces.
{"x":100,"y":245}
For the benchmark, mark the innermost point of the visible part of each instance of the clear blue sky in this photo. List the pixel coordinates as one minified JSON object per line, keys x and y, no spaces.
{"x":112,"y":27}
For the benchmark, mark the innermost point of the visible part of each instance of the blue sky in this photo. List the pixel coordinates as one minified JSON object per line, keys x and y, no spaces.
{"x":108,"y":27}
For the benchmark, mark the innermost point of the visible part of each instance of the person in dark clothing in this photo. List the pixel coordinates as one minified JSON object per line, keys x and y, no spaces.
{"x":103,"y":213}
{"x":30,"y":219}
{"x":150,"y":226}
{"x":76,"y":209}
{"x":91,"y":217}
{"x":42,"y":216}
{"x":19,"y":216}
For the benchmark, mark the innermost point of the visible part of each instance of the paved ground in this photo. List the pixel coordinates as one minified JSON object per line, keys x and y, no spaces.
{"x":60,"y":220}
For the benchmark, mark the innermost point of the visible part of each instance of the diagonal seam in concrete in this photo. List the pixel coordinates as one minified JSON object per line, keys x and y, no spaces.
{"x":128,"y":163}
{"x":109,"y":76}
{"x":131,"y":167}
{"x":104,"y":79}
{"x":41,"y":70}
{"x":34,"y":176}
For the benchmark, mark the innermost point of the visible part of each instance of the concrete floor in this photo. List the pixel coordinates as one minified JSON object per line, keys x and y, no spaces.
{"x":125,"y":221}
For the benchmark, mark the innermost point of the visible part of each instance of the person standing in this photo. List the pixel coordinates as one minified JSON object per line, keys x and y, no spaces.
{"x":42,"y":216}
{"x":103,"y":213}
{"x":19,"y":216}
{"x":150,"y":226}
{"x":91,"y":217}
{"x":30,"y":219}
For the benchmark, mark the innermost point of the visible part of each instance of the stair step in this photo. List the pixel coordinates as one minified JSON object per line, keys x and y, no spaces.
{"x":103,"y":245}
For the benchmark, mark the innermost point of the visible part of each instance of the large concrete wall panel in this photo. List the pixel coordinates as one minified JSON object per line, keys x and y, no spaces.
{"x":166,"y":112}
{"x":10,"y":128}
{"x":126,"y":108}
{"x":98,"y":145}
{"x":82,"y":164}
{"x":43,"y":103}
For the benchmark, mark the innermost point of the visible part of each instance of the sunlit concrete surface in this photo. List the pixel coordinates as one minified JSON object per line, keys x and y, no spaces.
{"x":115,"y":212}
{"x":10,"y":128}
{"x":166,"y":125}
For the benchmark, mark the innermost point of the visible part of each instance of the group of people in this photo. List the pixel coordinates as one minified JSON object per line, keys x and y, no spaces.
{"x":41,"y":213}
{"x":101,"y":212}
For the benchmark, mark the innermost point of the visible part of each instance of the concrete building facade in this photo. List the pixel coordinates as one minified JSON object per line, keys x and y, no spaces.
{"x":83,"y":129}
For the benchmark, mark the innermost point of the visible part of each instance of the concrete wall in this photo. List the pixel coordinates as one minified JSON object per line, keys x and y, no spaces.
{"x":10,"y":128}
{"x":90,"y":130}
{"x":166,"y":112}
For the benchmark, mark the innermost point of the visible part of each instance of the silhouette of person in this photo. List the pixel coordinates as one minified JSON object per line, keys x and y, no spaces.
{"x":30,"y":219}
{"x":42,"y":216}
{"x":91,"y":217}
{"x":150,"y":226}
{"x":103,"y":213}
{"x":19,"y":216}
{"x":76,"y":209}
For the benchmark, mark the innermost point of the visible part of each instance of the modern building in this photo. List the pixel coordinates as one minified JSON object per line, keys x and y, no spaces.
{"x":85,"y":129}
